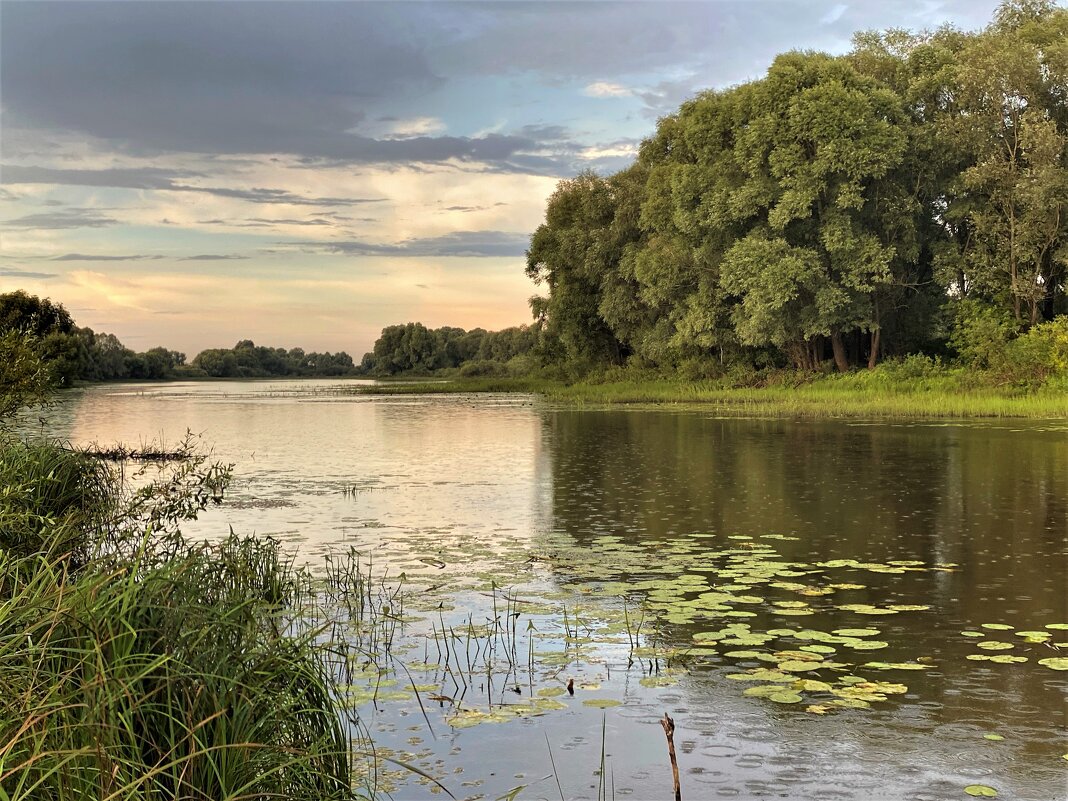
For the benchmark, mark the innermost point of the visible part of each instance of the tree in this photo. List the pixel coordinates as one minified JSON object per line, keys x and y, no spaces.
{"x":571,"y":254}
{"x":20,"y":311}
{"x":1014,"y":194}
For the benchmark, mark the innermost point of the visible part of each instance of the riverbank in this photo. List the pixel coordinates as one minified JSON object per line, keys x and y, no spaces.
{"x":854,"y":396}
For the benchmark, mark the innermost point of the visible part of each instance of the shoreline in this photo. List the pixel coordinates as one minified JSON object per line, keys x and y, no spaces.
{"x":822,"y":398}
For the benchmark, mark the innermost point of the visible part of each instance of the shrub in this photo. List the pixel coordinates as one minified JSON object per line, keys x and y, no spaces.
{"x":981,"y":334}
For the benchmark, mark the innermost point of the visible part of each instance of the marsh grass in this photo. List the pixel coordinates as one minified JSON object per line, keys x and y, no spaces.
{"x":875,"y":394}
{"x":136,"y":665}
{"x":184,"y":678}
{"x":53,"y":500}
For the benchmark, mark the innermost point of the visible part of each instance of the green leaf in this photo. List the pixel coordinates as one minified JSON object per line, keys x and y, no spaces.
{"x":1055,"y":662}
{"x":981,"y":791}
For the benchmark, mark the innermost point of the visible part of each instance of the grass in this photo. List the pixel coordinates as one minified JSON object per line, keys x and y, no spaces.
{"x":135,"y":665}
{"x":856,"y":395}
{"x":176,"y":680}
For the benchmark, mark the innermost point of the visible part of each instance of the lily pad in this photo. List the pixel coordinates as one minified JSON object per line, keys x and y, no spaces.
{"x":797,"y":666}
{"x":996,"y":738}
{"x":601,"y":703}
{"x":981,"y":791}
{"x":868,"y":645}
{"x":856,"y":632}
{"x":658,"y":681}
{"x":1034,"y":636}
{"x":994,"y":645}
{"x":1055,"y":662}
{"x":785,"y":697}
{"x":550,"y":692}
{"x":850,"y":703}
{"x":996,"y":627}
{"x":765,"y":690}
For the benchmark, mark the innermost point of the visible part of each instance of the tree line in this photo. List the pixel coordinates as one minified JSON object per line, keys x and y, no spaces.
{"x":909,"y":197}
{"x":75,"y":353}
{"x":414,"y":348}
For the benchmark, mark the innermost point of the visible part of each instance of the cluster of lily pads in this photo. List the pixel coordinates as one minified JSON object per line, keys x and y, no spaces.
{"x":586,"y":608}
{"x":741,"y":585}
{"x":1044,"y":637}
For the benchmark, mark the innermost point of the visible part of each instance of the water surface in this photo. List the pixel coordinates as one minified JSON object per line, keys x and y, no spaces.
{"x":582,"y":510}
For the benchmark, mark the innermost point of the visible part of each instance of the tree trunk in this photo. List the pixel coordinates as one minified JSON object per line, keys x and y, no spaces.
{"x":873,"y":357}
{"x":838,"y":347}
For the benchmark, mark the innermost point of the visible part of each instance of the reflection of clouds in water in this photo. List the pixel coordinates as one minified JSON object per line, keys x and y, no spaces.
{"x":476,"y":482}
{"x":309,"y":456}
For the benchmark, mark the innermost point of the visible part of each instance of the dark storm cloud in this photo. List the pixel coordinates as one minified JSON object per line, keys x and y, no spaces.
{"x":226,"y":78}
{"x":209,"y":77}
{"x":73,"y":218}
{"x":718,"y":42}
{"x":160,"y":179}
{"x":472,"y":244}
{"x":300,"y":78}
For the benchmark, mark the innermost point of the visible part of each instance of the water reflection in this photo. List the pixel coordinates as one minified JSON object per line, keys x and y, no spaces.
{"x":319,"y":467}
{"x":991,"y":498}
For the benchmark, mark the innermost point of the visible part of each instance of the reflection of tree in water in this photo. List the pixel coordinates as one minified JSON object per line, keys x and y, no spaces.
{"x":991,"y":499}
{"x":876,"y":492}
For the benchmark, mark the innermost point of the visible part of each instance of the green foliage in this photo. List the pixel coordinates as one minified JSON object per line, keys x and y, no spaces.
{"x":25,"y":379}
{"x":137,"y":666}
{"x":837,"y":207}
{"x":981,"y":335}
{"x":415,"y":349}
{"x":173,"y":678}
{"x":248,"y":360}
{"x":53,"y":501}
{"x":33,"y":316}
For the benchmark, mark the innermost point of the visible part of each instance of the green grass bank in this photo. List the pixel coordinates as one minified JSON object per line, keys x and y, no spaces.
{"x":870,"y":394}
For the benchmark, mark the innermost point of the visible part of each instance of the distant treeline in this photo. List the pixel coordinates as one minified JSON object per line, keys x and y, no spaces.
{"x":73,"y":353}
{"x":909,"y":197}
{"x":415,"y":349}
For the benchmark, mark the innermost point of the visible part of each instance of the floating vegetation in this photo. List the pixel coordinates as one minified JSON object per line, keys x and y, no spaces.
{"x":981,"y":791}
{"x":1055,"y":662}
{"x":481,"y":654}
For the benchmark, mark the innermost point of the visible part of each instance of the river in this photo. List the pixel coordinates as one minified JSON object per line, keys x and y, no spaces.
{"x":827,"y":609}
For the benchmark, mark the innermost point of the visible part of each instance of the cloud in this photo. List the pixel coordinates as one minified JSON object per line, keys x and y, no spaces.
{"x":394,"y":128}
{"x":6,"y":272}
{"x":834,"y":14}
{"x":101,"y":257}
{"x":263,"y":222}
{"x":607,"y":89}
{"x":472,"y":244}
{"x":213,"y":257}
{"x":152,"y":178}
{"x":73,"y":218}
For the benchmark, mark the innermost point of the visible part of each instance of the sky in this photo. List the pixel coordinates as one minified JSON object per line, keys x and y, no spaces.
{"x":305,"y":173}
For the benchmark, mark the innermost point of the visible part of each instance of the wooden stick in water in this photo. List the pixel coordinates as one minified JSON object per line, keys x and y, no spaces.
{"x":669,"y":732}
